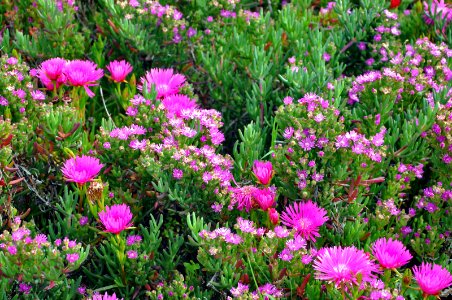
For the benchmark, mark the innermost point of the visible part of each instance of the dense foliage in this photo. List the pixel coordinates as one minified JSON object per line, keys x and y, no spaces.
{"x":225,"y":149}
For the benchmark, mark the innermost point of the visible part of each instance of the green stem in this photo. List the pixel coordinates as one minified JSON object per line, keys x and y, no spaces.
{"x":252,"y":273}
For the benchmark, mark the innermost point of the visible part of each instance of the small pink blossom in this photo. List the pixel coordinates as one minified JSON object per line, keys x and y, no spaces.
{"x":176,"y":104}
{"x":119,"y":70}
{"x":305,"y":218}
{"x":165,"y":81}
{"x":72,"y":257}
{"x":51,"y":73}
{"x":432,"y":278}
{"x":116,"y":218}
{"x":342,"y":266}
{"x":263,"y":170}
{"x":265,"y":198}
{"x":81,"y":169}
{"x":391,"y":254}
{"x":83,"y":73}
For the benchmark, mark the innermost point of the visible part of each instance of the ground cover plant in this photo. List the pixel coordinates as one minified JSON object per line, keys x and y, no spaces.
{"x":225,"y":149}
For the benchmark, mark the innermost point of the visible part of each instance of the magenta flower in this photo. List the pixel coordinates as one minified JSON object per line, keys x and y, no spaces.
{"x":305,"y":218}
{"x":432,"y":278}
{"x":51,"y":73}
{"x":81,"y":169}
{"x":391,"y":254}
{"x":273,"y":216}
{"x":119,"y":70}
{"x":175,"y":104}
{"x":24,"y":288}
{"x":105,"y":297}
{"x":263,"y":170}
{"x":83,"y":73}
{"x":132,"y":254}
{"x":438,"y":9}
{"x":341,"y":266}
{"x":116,"y":218}
{"x":265,"y":198}
{"x":164,"y":81}
{"x":243,"y":197}
{"x":72,"y":257}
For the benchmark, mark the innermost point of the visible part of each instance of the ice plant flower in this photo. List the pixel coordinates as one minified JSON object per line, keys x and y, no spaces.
{"x":341,"y":266}
{"x":432,"y":278}
{"x":391,"y":254}
{"x":116,"y":218}
{"x":105,"y":297}
{"x":119,"y":70}
{"x":438,"y":9}
{"x":305,"y":218}
{"x":265,"y":198}
{"x":83,"y":73}
{"x":175,"y":104}
{"x":263,"y":170}
{"x":81,"y":169}
{"x":273,"y":215}
{"x":164,"y":81}
{"x":51,"y":73}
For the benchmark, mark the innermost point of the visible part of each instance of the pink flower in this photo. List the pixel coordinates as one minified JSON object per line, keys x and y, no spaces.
{"x":264,"y":197}
{"x":24,"y":288}
{"x":263,"y":170}
{"x":164,"y":81}
{"x":12,"y":250}
{"x":432,"y":278}
{"x":132,"y":254}
{"x":391,"y":254}
{"x":242,"y":197}
{"x":105,"y":297}
{"x":51,"y":73}
{"x":72,"y":257}
{"x":175,"y":104}
{"x":273,"y":216}
{"x":178,"y":174}
{"x":438,"y":9}
{"x":83,"y":73}
{"x":119,"y":70}
{"x":81,"y":169}
{"x":116,"y":218}
{"x":305,"y":218}
{"x":342,"y":266}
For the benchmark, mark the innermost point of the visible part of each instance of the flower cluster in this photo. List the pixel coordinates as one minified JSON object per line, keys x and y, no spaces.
{"x":440,"y":137}
{"x":18,"y":92}
{"x":31,"y":259}
{"x":56,"y":72}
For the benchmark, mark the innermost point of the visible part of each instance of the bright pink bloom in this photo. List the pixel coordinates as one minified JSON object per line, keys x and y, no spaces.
{"x":305,"y":218}
{"x":391,"y":254}
{"x":243,"y":197}
{"x":342,"y":266}
{"x":164,"y":81}
{"x":264,"y":197}
{"x":263,"y":170}
{"x":175,"y":104}
{"x":119,"y":70}
{"x":81,"y":169}
{"x":105,"y":297}
{"x":273,"y":215}
{"x":72,"y":257}
{"x":116,"y":218}
{"x":432,"y":278}
{"x":438,"y":9}
{"x":51,"y":72}
{"x":83,"y":73}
